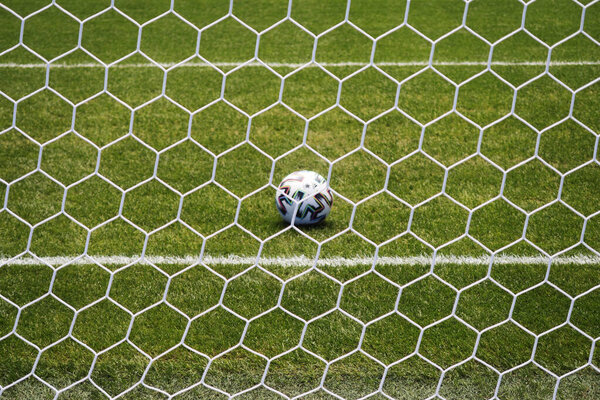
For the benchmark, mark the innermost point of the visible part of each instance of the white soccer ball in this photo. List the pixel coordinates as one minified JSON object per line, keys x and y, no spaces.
{"x":308,"y":191}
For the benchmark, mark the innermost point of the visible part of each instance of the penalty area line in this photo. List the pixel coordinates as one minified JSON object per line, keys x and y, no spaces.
{"x":302,"y":261}
{"x":307,"y":65}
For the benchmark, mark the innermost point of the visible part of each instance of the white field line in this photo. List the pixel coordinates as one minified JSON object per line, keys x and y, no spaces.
{"x":298,"y":65}
{"x":303,"y":261}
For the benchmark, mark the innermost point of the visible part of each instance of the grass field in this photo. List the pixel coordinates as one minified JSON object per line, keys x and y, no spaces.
{"x":142,"y":256}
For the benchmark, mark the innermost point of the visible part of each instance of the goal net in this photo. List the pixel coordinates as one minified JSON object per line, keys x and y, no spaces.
{"x":141,"y":251}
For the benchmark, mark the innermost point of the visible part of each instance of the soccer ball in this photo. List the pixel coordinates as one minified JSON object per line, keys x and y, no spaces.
{"x":308,"y":191}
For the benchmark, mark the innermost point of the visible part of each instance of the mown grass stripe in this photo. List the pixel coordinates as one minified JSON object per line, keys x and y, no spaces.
{"x":308,"y":65}
{"x":302,"y":261}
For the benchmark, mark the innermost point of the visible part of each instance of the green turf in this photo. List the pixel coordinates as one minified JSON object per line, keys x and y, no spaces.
{"x":162,"y":176}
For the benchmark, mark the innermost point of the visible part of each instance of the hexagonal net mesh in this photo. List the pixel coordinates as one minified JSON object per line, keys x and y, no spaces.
{"x":142,"y":256}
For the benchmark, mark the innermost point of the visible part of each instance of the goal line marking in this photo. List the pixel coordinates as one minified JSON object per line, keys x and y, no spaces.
{"x":303,"y":261}
{"x":309,"y":65}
